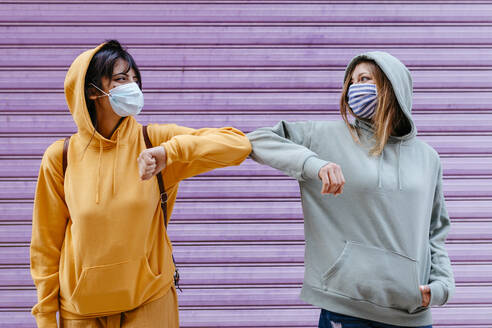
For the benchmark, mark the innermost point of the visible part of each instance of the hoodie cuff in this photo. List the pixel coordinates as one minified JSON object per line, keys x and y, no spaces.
{"x":172,"y":151}
{"x":312,"y":166}
{"x":438,"y":294}
{"x":46,"y":320}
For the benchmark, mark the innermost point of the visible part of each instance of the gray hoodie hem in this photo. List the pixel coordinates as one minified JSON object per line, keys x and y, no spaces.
{"x":361,"y":309}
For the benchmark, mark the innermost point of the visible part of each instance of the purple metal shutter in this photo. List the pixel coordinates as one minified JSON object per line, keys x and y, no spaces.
{"x":237,"y":231}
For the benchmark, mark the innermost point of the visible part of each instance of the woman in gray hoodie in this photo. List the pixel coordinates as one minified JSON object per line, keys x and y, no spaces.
{"x":375,"y":254}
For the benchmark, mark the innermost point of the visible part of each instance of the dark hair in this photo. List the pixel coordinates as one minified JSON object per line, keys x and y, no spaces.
{"x":102,"y":65}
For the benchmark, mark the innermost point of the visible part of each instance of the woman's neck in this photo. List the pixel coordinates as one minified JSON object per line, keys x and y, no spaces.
{"x":107,"y":124}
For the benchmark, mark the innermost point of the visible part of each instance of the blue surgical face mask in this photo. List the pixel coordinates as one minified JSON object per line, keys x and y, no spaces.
{"x":363,"y":99}
{"x":126,"y":99}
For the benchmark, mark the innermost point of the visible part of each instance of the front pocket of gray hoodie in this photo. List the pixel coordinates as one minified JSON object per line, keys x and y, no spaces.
{"x":375,"y":275}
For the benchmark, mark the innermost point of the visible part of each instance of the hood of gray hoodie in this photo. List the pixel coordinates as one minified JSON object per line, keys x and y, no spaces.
{"x":401,"y":81}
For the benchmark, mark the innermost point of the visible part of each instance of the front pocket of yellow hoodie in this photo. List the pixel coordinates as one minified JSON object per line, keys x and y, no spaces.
{"x":113,"y":288}
{"x":375,"y":275}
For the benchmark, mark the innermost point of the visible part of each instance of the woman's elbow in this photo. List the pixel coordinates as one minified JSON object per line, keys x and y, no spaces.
{"x":242,"y":143}
{"x":244,"y":148}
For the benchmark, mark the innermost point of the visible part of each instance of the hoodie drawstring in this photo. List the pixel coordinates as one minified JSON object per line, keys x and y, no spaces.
{"x":399,"y":170}
{"x":380,"y":170}
{"x":98,"y":183}
{"x":366,"y":127}
{"x":115,"y":168}
{"x":115,"y":161}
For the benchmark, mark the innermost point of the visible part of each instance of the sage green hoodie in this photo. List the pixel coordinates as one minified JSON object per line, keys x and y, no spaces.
{"x":367,"y":250}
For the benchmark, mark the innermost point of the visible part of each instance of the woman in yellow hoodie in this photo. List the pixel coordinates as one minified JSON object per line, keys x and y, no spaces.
{"x":100,"y":254}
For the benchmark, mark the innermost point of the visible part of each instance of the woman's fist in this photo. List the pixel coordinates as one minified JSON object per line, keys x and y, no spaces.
{"x":332,"y":177}
{"x":151,"y":161}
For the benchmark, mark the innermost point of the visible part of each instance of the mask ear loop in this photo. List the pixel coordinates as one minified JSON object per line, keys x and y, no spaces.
{"x":105,"y":94}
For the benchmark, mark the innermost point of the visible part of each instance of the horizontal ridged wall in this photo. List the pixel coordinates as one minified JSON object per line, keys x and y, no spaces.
{"x":238,"y":231}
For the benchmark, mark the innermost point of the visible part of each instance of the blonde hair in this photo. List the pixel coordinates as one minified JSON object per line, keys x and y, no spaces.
{"x":388,"y":117}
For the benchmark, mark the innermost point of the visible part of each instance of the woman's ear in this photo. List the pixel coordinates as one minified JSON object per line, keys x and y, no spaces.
{"x":93,"y":93}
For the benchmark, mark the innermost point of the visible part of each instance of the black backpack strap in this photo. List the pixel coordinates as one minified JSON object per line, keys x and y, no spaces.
{"x":162,"y":190}
{"x":65,"y":151}
{"x":160,"y":180}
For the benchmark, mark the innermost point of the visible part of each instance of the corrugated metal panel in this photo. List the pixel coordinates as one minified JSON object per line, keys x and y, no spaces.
{"x":323,"y":57}
{"x":250,"y":64}
{"x":257,"y":34}
{"x":216,"y":187}
{"x":202,"y":78}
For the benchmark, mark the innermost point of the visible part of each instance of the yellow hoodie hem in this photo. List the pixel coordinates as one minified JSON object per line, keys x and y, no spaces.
{"x":46,"y":320}
{"x":67,"y":314}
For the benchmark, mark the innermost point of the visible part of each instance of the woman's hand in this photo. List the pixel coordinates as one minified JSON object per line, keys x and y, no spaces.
{"x":332,"y":177}
{"x":151,"y":161}
{"x":426,"y":294}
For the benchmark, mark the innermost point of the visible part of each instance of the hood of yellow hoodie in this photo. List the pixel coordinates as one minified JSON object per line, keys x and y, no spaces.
{"x":74,"y":92}
{"x":75,"y":97}
{"x":91,"y":138}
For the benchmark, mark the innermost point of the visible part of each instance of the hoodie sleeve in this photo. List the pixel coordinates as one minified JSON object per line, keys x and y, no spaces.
{"x":50,"y":215}
{"x":441,"y":280}
{"x":285,"y":147}
{"x":191,"y":152}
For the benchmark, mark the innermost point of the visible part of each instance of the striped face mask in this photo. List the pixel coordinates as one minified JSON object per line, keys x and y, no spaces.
{"x":363,"y":99}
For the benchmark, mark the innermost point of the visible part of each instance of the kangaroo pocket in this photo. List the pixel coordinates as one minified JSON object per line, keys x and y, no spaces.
{"x":114,"y":287}
{"x":375,"y":275}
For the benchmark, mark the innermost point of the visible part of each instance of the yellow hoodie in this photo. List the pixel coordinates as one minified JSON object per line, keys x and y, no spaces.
{"x":98,"y":244}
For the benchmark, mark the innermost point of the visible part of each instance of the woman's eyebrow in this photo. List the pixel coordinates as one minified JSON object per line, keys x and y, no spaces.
{"x":361,"y":73}
{"x":125,"y":74}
